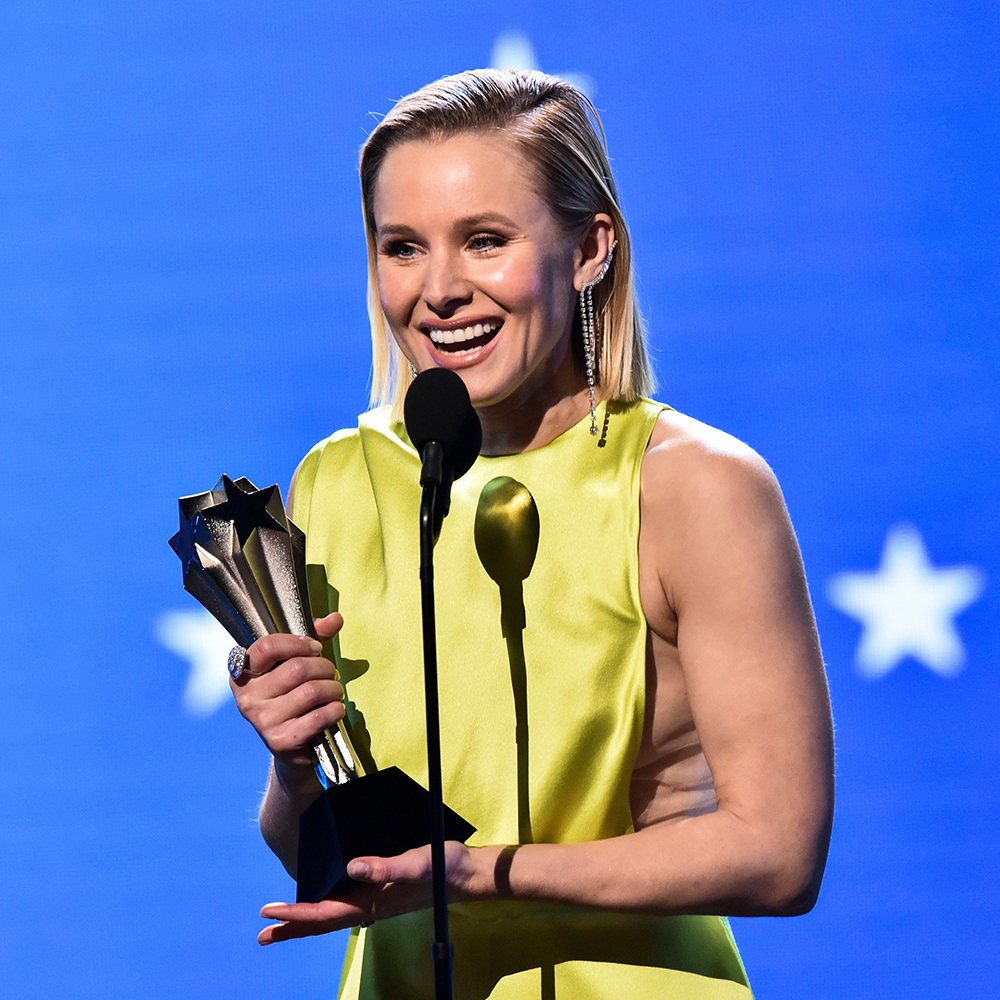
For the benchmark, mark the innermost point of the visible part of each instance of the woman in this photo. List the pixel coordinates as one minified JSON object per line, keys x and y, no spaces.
{"x":676,"y":764}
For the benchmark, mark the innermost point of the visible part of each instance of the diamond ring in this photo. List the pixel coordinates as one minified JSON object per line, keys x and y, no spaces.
{"x":237,"y":658}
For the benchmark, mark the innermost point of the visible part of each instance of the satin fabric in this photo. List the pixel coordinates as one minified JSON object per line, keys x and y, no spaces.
{"x":584,"y":649}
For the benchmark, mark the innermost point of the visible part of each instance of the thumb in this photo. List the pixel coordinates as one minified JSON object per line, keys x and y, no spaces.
{"x":328,"y":627}
{"x":413,"y":866}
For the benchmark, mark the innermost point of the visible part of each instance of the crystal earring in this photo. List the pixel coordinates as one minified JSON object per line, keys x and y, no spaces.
{"x":589,"y":339}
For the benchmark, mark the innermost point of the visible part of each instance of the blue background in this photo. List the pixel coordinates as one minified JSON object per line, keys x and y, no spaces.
{"x":813,"y":195}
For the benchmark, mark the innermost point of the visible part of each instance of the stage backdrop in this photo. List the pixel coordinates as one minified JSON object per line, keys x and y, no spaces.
{"x":813,"y":193}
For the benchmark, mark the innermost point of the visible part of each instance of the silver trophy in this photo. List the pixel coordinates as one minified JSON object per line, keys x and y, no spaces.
{"x":244,"y":559}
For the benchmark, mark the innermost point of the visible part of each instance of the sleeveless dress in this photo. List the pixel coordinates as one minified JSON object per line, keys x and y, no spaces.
{"x":541,"y":713}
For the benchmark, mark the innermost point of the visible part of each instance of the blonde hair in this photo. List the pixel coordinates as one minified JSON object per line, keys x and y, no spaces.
{"x":553,"y":124}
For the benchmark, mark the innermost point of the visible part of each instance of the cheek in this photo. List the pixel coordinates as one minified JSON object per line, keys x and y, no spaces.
{"x":518,"y":285}
{"x":546,"y":290}
{"x":395,"y":294}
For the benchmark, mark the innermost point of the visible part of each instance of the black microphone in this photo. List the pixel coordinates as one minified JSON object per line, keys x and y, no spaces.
{"x":445,"y":430}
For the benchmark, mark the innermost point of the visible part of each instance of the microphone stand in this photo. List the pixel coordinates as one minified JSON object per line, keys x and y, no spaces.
{"x":434,"y":503}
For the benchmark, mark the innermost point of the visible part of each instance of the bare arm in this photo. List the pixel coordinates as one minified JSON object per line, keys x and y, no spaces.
{"x":726,"y":600}
{"x":725,"y":596}
{"x":289,"y":792}
{"x":290,"y":696}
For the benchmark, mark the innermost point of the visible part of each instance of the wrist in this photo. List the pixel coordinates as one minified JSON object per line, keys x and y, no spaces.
{"x":297,"y":780}
{"x":488,"y":876}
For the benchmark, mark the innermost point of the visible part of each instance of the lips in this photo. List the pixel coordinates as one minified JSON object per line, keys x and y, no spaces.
{"x":463,"y":340}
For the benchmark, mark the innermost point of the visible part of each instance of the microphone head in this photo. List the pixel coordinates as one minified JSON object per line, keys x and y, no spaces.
{"x":437,"y":408}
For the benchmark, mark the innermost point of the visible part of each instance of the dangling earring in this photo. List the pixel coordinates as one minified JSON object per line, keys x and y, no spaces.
{"x":589,"y":340}
{"x":413,"y":371}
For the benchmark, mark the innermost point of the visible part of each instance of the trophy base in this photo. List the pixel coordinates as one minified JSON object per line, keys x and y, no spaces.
{"x":380,"y":815}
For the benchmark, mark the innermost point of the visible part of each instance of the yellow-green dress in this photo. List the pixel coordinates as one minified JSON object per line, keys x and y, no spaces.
{"x":580,"y":656}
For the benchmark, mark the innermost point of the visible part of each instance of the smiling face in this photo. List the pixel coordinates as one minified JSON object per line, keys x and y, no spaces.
{"x":474,"y":272}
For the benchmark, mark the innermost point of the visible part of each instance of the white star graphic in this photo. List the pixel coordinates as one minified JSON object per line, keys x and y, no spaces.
{"x":197,"y":637}
{"x":513,"y":50}
{"x":907,"y":606}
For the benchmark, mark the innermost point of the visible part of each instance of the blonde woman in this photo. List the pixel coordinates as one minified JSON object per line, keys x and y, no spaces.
{"x":678,"y":746}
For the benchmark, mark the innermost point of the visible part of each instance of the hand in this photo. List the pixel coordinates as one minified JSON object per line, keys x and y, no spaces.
{"x":290,"y":693}
{"x":385,"y":887}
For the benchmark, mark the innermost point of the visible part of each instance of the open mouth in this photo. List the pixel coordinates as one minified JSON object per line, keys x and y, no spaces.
{"x":466,"y":339}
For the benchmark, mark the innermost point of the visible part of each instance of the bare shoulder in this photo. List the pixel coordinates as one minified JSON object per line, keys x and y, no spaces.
{"x":689,"y":462}
{"x":710,"y":506}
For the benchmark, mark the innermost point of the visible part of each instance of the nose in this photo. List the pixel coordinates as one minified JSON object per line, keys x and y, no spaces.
{"x":446,"y":285}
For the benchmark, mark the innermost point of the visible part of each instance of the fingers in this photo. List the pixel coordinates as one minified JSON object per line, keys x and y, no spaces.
{"x":290,"y":721}
{"x":293,"y":693}
{"x":295,"y":733}
{"x":310,"y":913}
{"x":388,"y":887}
{"x":296,"y":673}
{"x":286,"y":932}
{"x":307,"y":919}
{"x":270,"y":650}
{"x":298,"y":929}
{"x":293,"y":688}
{"x":295,"y":929}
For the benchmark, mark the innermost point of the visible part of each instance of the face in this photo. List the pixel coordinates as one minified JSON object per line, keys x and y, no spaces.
{"x":474,"y":273}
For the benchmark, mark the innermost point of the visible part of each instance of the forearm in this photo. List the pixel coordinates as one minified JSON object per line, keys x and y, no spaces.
{"x":290,"y":790}
{"x":716,"y":863}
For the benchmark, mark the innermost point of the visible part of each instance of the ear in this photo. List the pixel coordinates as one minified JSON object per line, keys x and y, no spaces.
{"x":593,"y":250}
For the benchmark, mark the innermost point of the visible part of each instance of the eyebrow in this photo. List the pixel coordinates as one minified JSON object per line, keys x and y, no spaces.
{"x":472,"y":221}
{"x":467,"y":222}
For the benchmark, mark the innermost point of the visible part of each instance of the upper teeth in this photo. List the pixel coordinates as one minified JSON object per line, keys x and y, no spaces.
{"x":466,"y":333}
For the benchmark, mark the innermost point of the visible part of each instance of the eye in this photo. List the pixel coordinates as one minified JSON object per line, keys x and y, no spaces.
{"x":400,"y":249}
{"x":484,"y":242}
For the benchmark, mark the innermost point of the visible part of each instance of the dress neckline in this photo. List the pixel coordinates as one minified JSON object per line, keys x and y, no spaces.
{"x":575,"y":430}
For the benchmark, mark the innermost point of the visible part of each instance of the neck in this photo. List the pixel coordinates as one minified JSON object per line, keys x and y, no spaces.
{"x":531,"y":417}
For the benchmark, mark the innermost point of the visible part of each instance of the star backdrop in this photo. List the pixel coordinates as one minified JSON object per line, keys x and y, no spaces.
{"x":813,"y":195}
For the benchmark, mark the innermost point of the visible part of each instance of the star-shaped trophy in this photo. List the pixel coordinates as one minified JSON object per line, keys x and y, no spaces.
{"x":244,"y":560}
